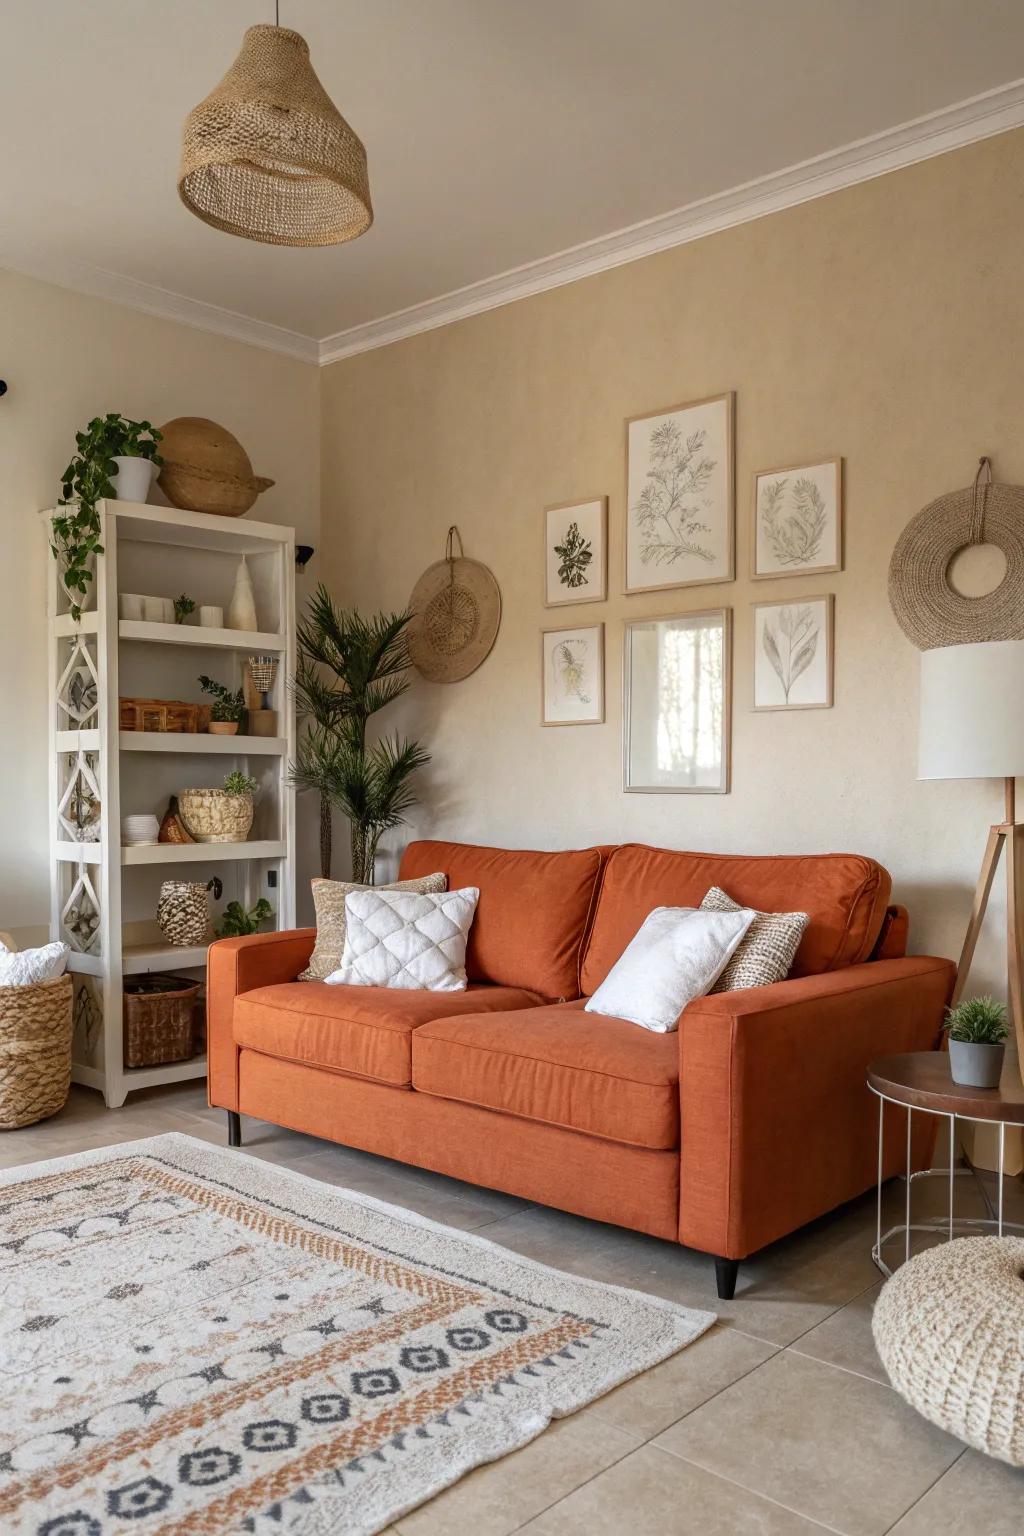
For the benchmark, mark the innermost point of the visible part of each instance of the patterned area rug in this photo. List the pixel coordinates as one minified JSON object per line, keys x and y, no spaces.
{"x":195,"y":1342}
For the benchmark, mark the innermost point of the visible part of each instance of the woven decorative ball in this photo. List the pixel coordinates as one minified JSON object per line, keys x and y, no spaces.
{"x":949,"y":1328}
{"x":928,"y":610}
{"x":206,"y":469}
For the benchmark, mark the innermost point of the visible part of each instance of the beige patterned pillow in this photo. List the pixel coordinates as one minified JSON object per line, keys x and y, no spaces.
{"x":329,"y":901}
{"x":766,"y":951}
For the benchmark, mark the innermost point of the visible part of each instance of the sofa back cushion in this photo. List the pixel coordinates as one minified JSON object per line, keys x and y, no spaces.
{"x":844,"y":894}
{"x":532,"y":914}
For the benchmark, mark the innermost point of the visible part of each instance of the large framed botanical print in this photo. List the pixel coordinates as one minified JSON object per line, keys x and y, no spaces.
{"x":677,"y":699}
{"x":680,"y":502}
{"x":575,"y":552}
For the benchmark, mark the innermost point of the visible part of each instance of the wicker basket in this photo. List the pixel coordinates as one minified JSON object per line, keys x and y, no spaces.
{"x":214,"y":816}
{"x":35,"y":1051}
{"x":158,"y":1020}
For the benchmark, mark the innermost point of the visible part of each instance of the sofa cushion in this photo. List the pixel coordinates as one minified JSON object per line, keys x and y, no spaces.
{"x":364,"y":1031}
{"x":532,"y":913}
{"x":557,"y":1064}
{"x":844,"y":894}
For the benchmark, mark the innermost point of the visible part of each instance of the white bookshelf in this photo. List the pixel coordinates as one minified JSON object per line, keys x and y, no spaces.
{"x":159,"y":551}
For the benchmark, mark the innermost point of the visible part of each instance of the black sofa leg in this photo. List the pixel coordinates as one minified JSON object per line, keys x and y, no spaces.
{"x":235,"y":1131}
{"x":726,"y":1272}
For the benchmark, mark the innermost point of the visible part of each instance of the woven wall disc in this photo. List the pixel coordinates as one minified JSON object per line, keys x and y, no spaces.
{"x":928,"y":610}
{"x":456,"y":606}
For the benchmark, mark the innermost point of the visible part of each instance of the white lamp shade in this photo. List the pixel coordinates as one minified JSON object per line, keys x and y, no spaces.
{"x":972,"y":711}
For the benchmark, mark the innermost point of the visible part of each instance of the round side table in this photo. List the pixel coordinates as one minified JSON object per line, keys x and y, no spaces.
{"x":920,"y":1082}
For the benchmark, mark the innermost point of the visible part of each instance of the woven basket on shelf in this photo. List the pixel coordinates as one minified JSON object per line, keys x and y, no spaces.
{"x":35,"y":1051}
{"x":159,"y":1020}
{"x":214,"y":816}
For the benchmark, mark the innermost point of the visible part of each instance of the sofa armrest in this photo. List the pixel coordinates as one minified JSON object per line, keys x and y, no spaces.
{"x":240,"y":965}
{"x":777,"y":1122}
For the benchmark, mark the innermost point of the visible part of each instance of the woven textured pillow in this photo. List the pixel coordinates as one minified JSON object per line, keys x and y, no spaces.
{"x":402,"y":940}
{"x":767,"y":949}
{"x":329,"y":902}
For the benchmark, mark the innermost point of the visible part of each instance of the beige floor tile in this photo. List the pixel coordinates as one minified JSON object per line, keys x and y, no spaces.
{"x":976,"y":1495}
{"x":659,"y":1397}
{"x":497,"y":1499}
{"x":833,"y":1446}
{"x":649,"y":1493}
{"x":845,"y":1338}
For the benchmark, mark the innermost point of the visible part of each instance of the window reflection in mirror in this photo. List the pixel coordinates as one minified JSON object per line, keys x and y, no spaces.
{"x":676,"y":706}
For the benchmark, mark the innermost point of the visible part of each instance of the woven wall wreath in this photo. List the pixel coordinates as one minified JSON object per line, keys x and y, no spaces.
{"x":928,"y":610}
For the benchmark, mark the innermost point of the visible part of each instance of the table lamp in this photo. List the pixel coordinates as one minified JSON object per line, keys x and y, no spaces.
{"x":972,"y":727}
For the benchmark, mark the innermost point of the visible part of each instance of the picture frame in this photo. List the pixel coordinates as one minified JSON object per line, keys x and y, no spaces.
{"x":796,"y":520}
{"x":780,"y":681}
{"x":681,"y":533}
{"x":677,"y":704}
{"x":576,"y":552}
{"x":572,"y":676}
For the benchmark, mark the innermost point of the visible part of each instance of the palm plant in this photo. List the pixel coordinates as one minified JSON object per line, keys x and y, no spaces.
{"x":348,"y":669}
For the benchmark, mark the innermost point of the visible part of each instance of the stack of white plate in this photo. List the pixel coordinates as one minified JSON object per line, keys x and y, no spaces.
{"x":139,"y":831}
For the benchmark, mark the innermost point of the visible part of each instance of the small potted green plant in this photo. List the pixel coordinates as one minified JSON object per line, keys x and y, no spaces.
{"x":219,"y":815}
{"x":115,"y":457}
{"x":227,"y":708}
{"x":183,"y":606}
{"x":236,"y":922}
{"x":977,"y":1030}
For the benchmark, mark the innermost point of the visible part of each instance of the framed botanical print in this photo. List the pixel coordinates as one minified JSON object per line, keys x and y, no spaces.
{"x":572,"y":676}
{"x":576,"y":552}
{"x":677,"y":697}
{"x":680,"y":517}
{"x":798,"y":520}
{"x":793,"y":653}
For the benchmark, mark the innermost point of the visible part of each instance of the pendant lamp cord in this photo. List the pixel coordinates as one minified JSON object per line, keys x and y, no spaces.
{"x":277,"y":13}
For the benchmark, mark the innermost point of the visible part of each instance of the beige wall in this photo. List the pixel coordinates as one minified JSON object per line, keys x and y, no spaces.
{"x":67,"y":358}
{"x":883,"y":323}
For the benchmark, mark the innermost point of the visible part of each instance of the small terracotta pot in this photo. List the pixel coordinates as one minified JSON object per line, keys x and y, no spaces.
{"x":223,"y":727}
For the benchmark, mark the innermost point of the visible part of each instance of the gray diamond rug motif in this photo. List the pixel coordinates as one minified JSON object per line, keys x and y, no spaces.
{"x":193,"y":1342}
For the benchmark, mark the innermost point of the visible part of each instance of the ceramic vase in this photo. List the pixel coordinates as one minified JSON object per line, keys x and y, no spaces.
{"x":242,"y":609}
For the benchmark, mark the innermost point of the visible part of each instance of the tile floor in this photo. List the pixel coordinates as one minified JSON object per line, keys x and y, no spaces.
{"x":778,"y":1422}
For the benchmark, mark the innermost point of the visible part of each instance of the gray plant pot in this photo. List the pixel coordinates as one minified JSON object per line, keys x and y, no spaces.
{"x":976,"y":1066}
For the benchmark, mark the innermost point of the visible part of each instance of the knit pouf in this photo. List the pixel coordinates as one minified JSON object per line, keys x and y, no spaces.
{"x":949,"y":1328}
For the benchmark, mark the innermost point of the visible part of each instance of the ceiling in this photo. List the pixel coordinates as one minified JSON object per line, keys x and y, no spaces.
{"x":498,"y":132}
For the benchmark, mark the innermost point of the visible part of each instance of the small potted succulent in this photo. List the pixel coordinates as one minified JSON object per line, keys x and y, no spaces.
{"x":219,"y":815}
{"x":977,"y":1030}
{"x":227,"y":708}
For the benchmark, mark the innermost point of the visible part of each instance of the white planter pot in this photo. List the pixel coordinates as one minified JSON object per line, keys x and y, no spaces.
{"x":134,"y":478}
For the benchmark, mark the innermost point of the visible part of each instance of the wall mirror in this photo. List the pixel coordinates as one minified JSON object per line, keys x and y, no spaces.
{"x":677,"y":704}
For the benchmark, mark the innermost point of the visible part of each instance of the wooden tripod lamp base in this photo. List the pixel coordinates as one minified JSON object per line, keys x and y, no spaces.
{"x":1009,"y":832}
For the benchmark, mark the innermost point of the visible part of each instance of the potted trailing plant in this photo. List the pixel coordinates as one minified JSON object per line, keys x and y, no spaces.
{"x":349,"y":668}
{"x":227,"y":708}
{"x":111,"y":449}
{"x":236,"y":922}
{"x":977,"y":1029}
{"x":219,"y":815}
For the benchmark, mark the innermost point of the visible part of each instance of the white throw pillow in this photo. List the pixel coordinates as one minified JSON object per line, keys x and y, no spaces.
{"x":406,"y":940}
{"x":677,"y":955}
{"x":23,"y":968}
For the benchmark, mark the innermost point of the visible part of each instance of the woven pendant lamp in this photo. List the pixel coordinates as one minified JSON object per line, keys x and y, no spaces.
{"x":269,"y":157}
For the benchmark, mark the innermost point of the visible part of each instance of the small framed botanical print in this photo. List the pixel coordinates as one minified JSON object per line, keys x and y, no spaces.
{"x":679,"y":496}
{"x":798,"y":520}
{"x":572,"y":676}
{"x":793,"y":653}
{"x":576,"y":552}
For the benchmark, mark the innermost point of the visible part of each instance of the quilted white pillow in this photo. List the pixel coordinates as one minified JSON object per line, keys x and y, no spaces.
{"x":406,"y":940}
{"x":677,"y":954}
{"x":21,"y":968}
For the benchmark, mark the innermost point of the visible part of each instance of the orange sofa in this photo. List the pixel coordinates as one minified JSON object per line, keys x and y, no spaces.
{"x":750,"y":1121}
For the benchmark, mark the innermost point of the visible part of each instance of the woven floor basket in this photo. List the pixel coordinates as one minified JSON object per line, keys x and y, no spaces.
{"x":35,"y":1051}
{"x":159,"y":1026}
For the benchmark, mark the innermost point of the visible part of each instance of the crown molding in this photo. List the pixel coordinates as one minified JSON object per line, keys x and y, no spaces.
{"x":966,"y":122}
{"x":50,"y":266}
